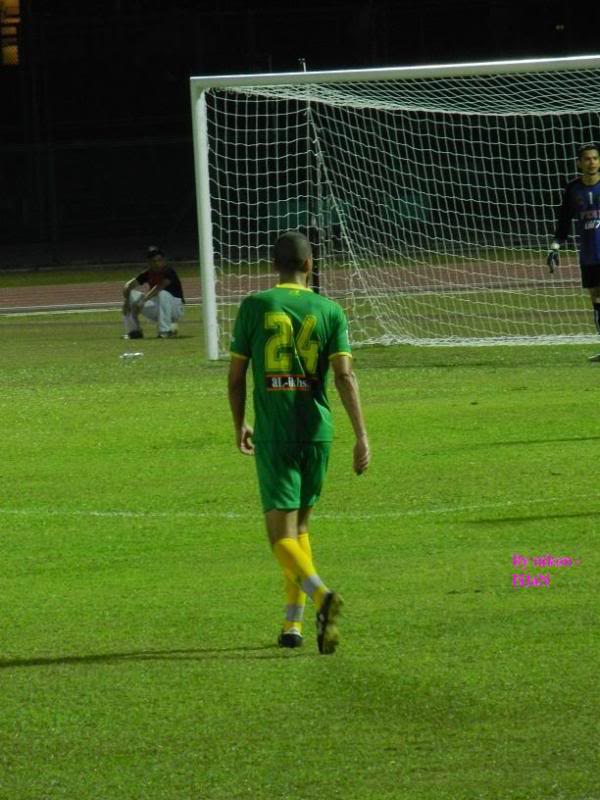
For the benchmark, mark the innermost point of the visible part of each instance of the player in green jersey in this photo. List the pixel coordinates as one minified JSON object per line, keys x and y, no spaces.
{"x":291,"y":336}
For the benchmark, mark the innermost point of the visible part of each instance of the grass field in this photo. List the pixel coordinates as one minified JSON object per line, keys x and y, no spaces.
{"x":140,"y":603}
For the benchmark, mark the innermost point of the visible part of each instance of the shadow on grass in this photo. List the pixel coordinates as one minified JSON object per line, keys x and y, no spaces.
{"x":261,"y":652}
{"x":514,"y":443}
{"x":531,"y":518}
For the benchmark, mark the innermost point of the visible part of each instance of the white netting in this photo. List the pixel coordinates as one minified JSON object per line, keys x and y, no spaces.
{"x":431,"y":201}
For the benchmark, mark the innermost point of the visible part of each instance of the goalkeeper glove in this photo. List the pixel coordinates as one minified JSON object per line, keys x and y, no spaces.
{"x":553,"y":260}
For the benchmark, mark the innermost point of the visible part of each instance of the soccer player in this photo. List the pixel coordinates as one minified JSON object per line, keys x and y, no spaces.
{"x":292,"y":335}
{"x":581,"y":200}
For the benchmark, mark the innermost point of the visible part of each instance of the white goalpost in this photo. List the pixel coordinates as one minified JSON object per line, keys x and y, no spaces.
{"x":429,"y":194}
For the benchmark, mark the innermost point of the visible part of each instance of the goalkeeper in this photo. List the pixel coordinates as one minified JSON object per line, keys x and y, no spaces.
{"x":291,"y":335}
{"x":581,"y":200}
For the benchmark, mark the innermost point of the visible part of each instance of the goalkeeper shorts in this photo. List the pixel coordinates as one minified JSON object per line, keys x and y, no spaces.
{"x":291,"y":475}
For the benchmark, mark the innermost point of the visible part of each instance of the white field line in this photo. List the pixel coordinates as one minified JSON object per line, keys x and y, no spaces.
{"x":48,"y":311}
{"x":350,"y":515}
{"x":6,"y":312}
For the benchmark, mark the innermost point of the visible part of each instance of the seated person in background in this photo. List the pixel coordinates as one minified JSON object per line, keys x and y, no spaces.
{"x":163,"y":302}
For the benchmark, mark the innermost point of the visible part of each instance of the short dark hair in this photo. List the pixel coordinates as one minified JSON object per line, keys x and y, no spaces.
{"x":290,"y":251}
{"x":588,"y":146}
{"x":153,"y":250}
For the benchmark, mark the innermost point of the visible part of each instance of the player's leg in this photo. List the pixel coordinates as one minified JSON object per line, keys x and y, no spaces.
{"x":280,"y":482}
{"x":280,"y":488}
{"x":595,"y":298}
{"x":591,"y":281}
{"x":314,"y":463}
{"x":303,"y":520}
{"x":170,"y":309}
{"x":282,"y":530}
{"x":305,"y":544}
{"x":295,"y":562}
{"x":295,"y":597}
{"x":314,"y":460}
{"x":150,"y":310}
{"x":177,"y":311}
{"x":286,"y":516}
{"x":131,"y":318}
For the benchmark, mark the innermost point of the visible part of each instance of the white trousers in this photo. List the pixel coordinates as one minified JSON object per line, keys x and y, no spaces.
{"x":162,"y":308}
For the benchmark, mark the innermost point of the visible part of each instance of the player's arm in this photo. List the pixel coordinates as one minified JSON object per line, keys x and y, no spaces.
{"x":154,"y":290}
{"x":561,"y":232}
{"x":131,"y":284}
{"x":347,"y":387}
{"x":236,"y":384}
{"x":164,"y":283}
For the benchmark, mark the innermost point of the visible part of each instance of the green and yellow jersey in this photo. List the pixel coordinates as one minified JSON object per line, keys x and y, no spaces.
{"x":290,"y":334}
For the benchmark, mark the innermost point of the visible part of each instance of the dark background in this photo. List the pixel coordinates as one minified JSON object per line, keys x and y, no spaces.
{"x":95,"y":122}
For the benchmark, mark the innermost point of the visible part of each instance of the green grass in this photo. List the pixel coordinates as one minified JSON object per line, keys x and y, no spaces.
{"x":140,"y":603}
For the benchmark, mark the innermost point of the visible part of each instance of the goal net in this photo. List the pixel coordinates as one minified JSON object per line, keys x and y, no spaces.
{"x":429,"y":195}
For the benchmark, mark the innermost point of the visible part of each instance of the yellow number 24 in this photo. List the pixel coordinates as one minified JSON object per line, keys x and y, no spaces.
{"x":282,"y":345}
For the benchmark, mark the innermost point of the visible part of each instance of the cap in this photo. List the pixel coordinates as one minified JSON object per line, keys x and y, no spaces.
{"x":153,"y":250}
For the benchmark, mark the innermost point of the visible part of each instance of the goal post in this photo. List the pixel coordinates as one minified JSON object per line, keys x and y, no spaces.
{"x":429,"y":194}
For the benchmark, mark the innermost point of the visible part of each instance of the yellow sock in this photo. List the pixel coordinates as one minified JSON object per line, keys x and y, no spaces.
{"x":304,"y":542}
{"x":295,"y":600}
{"x":295,"y":597}
{"x":294,"y":560}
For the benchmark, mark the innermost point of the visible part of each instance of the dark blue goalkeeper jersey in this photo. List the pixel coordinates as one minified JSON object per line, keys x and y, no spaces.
{"x":582,"y":203}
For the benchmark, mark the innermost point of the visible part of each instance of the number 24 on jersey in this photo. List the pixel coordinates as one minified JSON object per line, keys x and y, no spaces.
{"x":282,"y":345}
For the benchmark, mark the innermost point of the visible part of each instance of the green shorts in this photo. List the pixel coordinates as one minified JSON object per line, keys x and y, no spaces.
{"x":291,"y":475}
